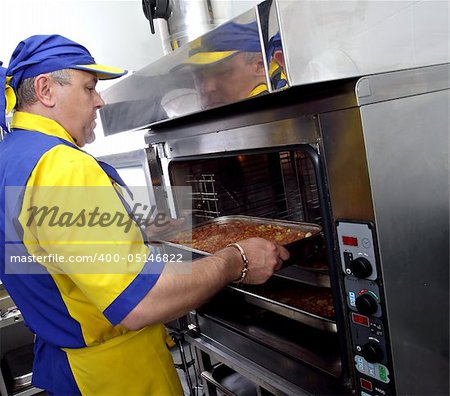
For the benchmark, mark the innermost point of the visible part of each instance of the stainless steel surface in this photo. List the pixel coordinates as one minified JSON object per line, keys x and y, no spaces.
{"x":382,"y":165}
{"x":288,"y":311}
{"x":12,"y":337}
{"x":209,"y":377}
{"x":284,"y":133}
{"x":402,"y":83}
{"x":410,"y":188}
{"x":344,"y":152}
{"x":262,"y":348}
{"x":192,"y":18}
{"x":341,"y":39}
{"x":21,"y":382}
{"x":172,"y":87}
{"x":303,"y":274}
{"x":403,"y":188}
{"x":256,"y":373}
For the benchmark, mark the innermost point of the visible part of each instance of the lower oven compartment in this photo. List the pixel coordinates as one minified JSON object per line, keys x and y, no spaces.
{"x":263,"y":337}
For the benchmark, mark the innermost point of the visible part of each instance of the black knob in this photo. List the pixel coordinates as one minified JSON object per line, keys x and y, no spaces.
{"x":366,"y":304}
{"x":361,"y":267}
{"x":372,"y":352}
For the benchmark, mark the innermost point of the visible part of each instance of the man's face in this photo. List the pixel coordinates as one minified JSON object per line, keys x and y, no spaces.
{"x":228,"y":81}
{"x":77,"y":104}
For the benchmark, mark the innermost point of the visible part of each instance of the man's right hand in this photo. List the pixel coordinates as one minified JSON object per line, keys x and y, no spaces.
{"x":264,"y":258}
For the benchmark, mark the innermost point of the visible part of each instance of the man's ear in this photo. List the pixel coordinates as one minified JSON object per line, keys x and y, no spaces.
{"x":279,"y":58}
{"x":43,"y":85}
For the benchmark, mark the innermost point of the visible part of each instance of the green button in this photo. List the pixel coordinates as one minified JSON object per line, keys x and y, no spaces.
{"x":382,"y":373}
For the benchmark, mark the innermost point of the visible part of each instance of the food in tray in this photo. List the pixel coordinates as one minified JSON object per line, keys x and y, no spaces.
{"x":320,"y":305}
{"x":317,"y":301}
{"x":215,"y":236}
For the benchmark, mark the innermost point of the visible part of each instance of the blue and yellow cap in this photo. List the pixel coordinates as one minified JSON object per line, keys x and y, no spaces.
{"x":224,"y":42}
{"x":44,"y":54}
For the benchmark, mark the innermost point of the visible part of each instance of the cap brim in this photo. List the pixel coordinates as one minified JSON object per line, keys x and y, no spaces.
{"x":103,"y":72}
{"x":207,"y":58}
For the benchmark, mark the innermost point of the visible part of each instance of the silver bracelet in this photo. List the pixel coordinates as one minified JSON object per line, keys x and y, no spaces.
{"x":244,"y":270}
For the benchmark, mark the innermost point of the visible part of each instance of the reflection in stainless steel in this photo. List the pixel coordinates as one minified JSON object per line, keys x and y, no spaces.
{"x":192,"y":18}
{"x":223,"y":66}
{"x":273,"y":47}
{"x":227,"y":64}
{"x":302,"y":42}
{"x":329,"y":40}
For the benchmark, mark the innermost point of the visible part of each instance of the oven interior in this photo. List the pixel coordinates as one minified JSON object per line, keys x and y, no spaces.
{"x":274,"y":185}
{"x":292,"y":315}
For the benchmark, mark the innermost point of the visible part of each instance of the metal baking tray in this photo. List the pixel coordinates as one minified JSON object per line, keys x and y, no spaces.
{"x":17,"y":365}
{"x":304,"y":275}
{"x":312,"y":271}
{"x":255,"y":295}
{"x":299,"y":250}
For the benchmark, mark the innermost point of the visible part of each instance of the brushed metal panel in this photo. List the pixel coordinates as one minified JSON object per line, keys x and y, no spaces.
{"x":276,"y":134}
{"x":407,"y":150}
{"x":341,"y":39}
{"x":387,"y":86}
{"x":345,"y":162}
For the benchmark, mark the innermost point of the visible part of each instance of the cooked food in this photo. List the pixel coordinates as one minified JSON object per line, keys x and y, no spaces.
{"x":215,"y":236}
{"x":318,"y":303}
{"x":314,"y":300}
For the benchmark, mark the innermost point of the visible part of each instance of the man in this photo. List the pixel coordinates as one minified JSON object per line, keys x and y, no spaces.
{"x":228,"y":65}
{"x":98,"y":324}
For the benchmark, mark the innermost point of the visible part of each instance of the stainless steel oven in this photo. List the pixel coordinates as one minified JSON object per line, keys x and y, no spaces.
{"x":351,"y":134}
{"x":367,"y":160}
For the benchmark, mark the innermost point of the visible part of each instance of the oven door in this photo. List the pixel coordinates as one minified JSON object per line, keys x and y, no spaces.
{"x":286,"y":334}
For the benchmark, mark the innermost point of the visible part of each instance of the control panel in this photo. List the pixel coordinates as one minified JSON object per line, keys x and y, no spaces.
{"x":365,"y":309}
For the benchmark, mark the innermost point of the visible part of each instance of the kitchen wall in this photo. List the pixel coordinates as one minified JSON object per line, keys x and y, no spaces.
{"x":115,"y":31}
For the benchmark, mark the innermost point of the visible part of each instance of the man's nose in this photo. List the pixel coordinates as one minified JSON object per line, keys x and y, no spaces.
{"x":99,"y":102}
{"x":208,"y":84}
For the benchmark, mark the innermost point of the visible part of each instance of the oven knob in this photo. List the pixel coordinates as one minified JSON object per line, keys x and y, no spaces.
{"x":372,"y":352}
{"x":366,"y":304}
{"x":361,"y":267}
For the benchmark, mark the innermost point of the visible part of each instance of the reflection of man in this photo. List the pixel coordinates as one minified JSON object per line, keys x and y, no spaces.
{"x":228,"y":64}
{"x":277,"y":64}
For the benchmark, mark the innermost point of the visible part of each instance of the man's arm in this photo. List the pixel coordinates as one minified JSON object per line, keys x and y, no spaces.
{"x":174,"y":295}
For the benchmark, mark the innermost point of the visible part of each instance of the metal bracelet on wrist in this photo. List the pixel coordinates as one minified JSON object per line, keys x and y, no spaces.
{"x":244,"y":270}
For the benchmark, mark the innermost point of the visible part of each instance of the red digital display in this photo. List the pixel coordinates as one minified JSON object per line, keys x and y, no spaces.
{"x":350,"y":241}
{"x":360,"y":319}
{"x":367,"y":385}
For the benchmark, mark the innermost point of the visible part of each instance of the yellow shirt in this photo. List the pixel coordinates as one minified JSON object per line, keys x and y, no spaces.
{"x":72,"y":211}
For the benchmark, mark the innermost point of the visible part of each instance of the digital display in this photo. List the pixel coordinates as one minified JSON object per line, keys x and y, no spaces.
{"x":350,"y":241}
{"x":360,"y":319}
{"x":365,"y":384}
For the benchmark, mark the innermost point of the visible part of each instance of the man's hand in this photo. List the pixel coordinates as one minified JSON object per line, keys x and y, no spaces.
{"x":264,"y":258}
